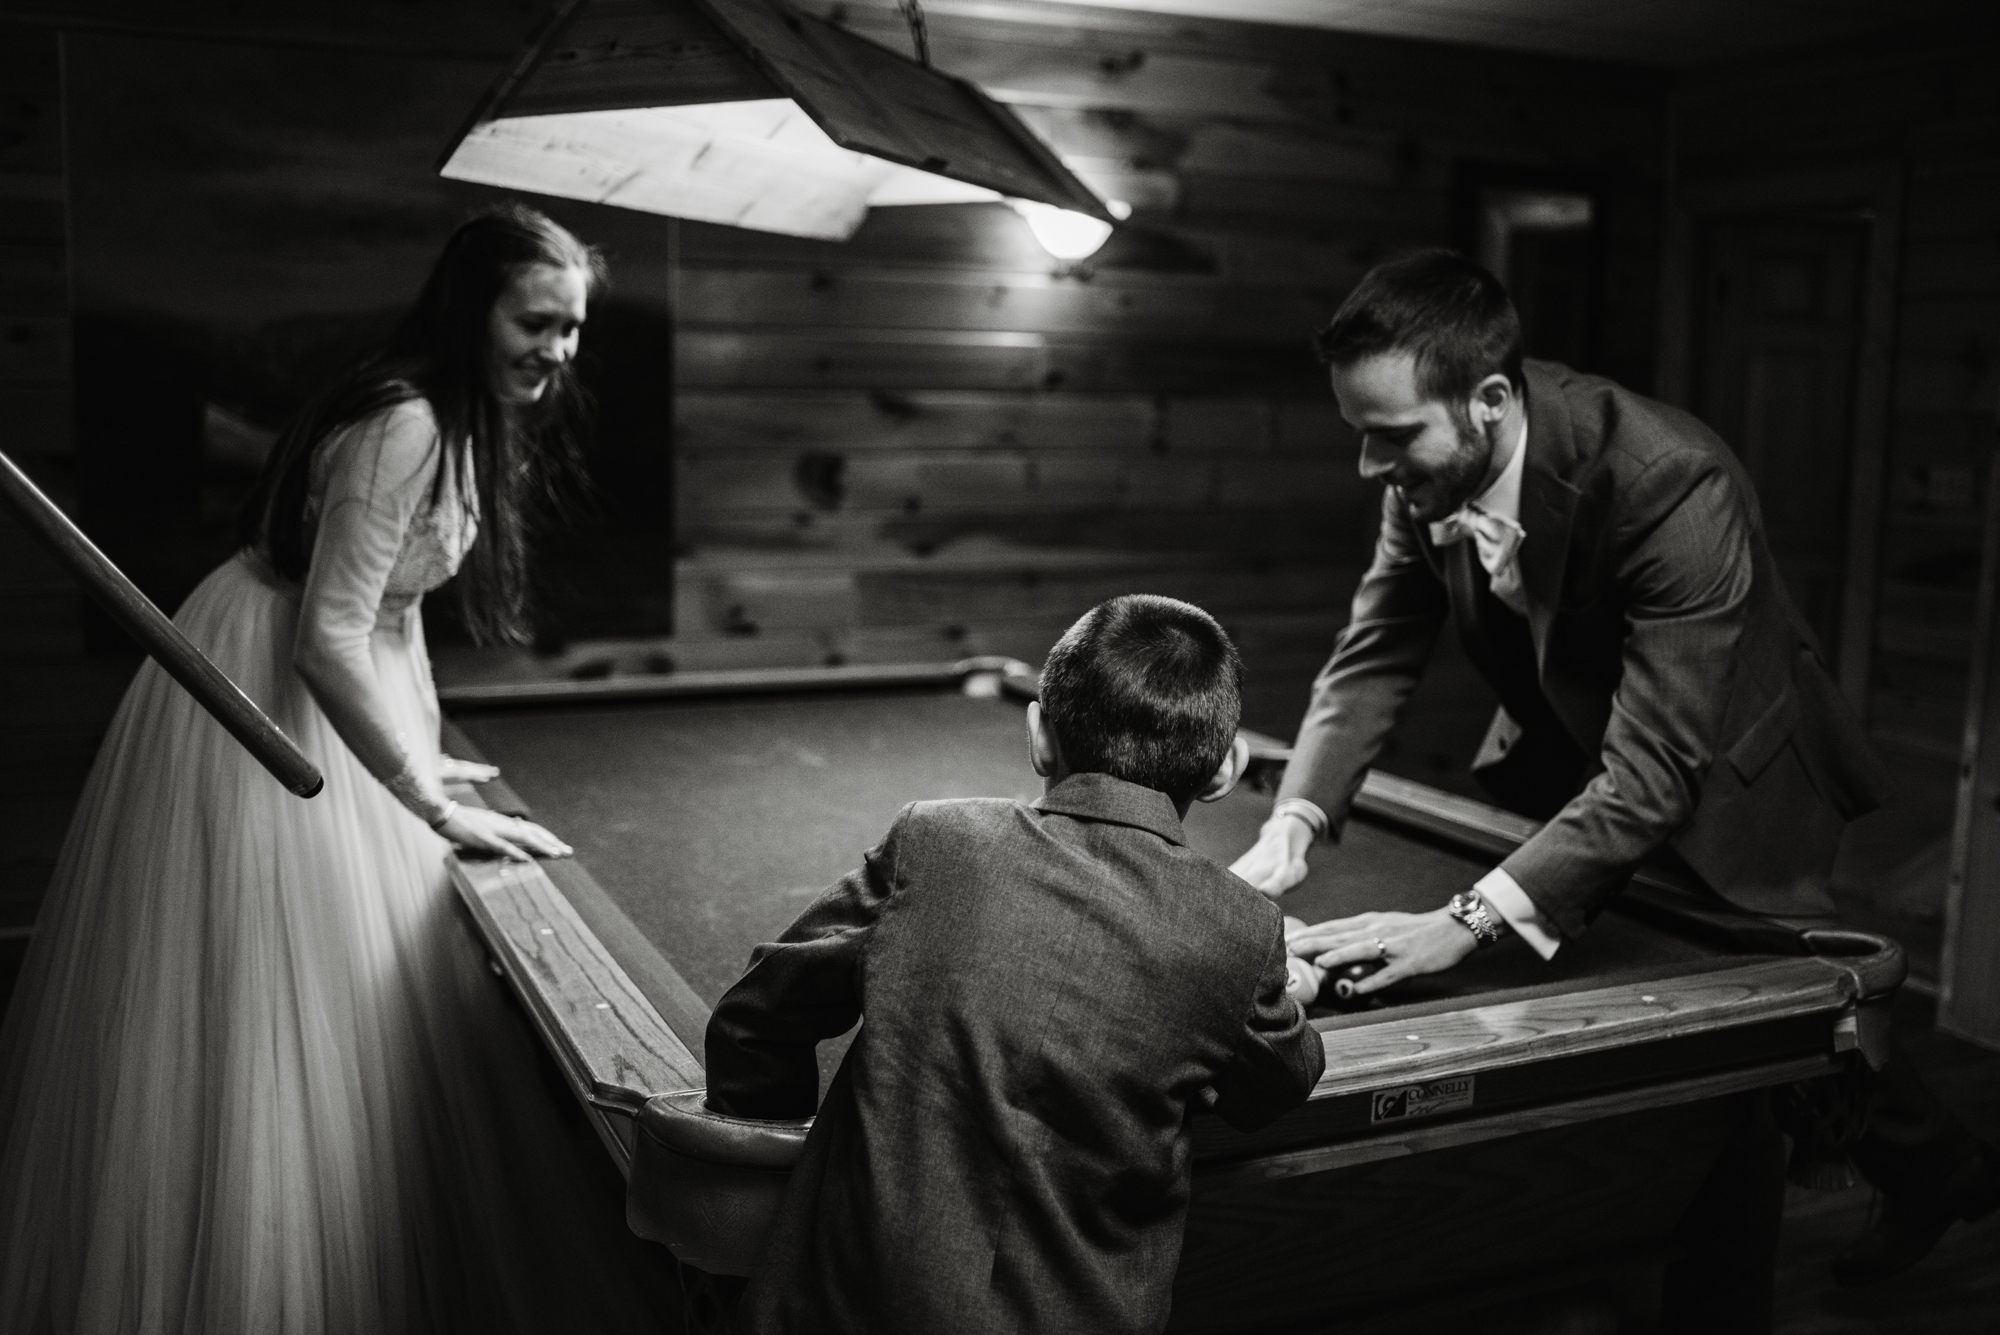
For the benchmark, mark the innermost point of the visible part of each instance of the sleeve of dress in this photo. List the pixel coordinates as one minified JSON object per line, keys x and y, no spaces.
{"x":380,"y":475}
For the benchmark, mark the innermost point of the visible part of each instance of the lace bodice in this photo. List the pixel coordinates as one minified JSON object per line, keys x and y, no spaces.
{"x":387,"y":466}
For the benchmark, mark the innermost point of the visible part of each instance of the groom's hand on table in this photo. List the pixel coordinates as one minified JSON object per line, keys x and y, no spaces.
{"x":1277,"y":861}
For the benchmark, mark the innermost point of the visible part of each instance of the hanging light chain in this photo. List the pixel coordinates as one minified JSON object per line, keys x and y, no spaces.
{"x":920,"y":37}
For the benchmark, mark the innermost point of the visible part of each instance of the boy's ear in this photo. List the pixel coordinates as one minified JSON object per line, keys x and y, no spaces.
{"x":1044,"y":751}
{"x":1228,"y":772}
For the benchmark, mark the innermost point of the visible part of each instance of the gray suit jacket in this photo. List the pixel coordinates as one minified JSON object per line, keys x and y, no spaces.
{"x":1662,"y":691}
{"x":1045,"y":992}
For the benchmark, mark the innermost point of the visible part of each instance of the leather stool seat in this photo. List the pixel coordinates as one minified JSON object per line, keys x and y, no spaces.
{"x":706,"y":1185}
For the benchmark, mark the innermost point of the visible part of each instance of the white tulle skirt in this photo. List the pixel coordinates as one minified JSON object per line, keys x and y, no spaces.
{"x":255,"y":1076}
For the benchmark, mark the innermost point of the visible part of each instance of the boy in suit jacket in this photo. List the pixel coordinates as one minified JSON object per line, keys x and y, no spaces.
{"x":1603,"y":561}
{"x":1048,"y":991}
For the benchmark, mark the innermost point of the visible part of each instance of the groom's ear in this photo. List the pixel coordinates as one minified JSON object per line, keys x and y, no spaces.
{"x":1228,"y":772}
{"x":1491,"y":396}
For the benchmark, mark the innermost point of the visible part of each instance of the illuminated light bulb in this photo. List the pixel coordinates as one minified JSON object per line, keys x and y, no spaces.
{"x":1065,"y":234}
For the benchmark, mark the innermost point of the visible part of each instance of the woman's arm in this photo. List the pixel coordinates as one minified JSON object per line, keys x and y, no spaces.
{"x":380,"y":479}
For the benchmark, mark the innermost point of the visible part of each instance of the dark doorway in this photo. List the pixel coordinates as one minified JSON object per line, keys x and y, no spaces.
{"x":1779,"y":334}
{"x":1549,"y":275}
{"x":1543,"y":245}
{"x":1539,"y":231}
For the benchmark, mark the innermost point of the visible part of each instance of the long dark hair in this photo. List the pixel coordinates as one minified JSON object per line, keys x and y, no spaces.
{"x":438,"y":352}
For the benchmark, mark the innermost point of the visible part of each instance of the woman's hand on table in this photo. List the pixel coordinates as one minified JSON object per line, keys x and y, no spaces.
{"x":1407,"y":944}
{"x":482,"y":831}
{"x":453,"y":770}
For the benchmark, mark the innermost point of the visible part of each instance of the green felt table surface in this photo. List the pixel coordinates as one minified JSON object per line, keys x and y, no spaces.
{"x":712,"y":822}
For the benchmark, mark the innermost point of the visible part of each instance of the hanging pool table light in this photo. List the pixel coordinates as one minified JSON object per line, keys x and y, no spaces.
{"x":750,"y":113}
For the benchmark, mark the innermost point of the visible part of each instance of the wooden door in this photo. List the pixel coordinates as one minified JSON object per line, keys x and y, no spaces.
{"x":1779,"y":336}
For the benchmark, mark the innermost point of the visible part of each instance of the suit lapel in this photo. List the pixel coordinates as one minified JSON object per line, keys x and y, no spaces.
{"x":1548,"y":504}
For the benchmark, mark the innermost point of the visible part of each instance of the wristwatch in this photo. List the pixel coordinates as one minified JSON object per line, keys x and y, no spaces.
{"x":1470,"y":909}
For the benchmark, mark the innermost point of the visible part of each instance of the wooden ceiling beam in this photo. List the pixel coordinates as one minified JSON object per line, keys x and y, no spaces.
{"x":1034,"y":22}
{"x":485,"y":29}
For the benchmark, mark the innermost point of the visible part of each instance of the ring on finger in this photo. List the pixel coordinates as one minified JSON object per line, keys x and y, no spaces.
{"x":1381,"y":949}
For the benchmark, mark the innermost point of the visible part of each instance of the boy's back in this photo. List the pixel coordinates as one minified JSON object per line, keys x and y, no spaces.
{"x":1047,"y":990}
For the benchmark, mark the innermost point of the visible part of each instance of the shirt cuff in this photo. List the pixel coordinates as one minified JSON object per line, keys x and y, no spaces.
{"x":1506,"y":897}
{"x":1306,"y":810}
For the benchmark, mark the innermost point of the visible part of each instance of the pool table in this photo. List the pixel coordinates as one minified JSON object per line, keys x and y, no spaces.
{"x":1593,"y":1131}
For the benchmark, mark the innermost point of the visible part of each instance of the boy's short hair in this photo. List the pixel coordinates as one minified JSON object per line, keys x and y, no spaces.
{"x":1145,"y":689}
{"x":1451,"y":314}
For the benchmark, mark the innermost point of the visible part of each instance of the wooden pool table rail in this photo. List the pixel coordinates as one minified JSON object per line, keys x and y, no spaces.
{"x":614,"y":1047}
{"x":1422,"y":1137}
{"x":731,"y":681}
{"x":1514,"y":1033}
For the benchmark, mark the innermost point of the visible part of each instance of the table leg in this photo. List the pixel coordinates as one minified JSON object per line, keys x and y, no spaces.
{"x":1724,"y":1281}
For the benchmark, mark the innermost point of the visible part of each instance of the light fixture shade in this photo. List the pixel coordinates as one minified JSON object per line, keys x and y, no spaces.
{"x":746,"y":112}
{"x":764,"y":165}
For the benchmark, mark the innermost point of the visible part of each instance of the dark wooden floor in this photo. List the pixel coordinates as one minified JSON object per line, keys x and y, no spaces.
{"x":1954,"y":1291}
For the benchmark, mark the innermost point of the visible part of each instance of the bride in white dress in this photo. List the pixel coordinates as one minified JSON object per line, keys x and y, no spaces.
{"x":254,"y":1077}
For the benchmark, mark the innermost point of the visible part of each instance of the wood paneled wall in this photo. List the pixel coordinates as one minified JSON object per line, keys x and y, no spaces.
{"x":933,"y":439}
{"x":55,"y":705}
{"x":1933,"y":111}
{"x":34,"y":330}
{"x":59,"y":697}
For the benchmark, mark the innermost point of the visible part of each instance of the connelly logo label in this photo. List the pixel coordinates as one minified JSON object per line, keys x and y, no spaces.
{"x":1439,"y":1096}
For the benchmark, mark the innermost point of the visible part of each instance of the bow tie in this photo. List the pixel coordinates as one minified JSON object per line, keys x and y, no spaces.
{"x":1498,"y":542}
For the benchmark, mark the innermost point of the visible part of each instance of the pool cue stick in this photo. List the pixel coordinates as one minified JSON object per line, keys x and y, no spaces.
{"x":161,"y":638}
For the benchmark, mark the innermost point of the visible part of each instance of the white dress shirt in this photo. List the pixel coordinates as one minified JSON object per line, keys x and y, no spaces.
{"x":1502,"y":499}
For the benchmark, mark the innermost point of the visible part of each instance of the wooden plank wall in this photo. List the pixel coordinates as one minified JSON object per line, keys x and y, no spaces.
{"x":59,"y":694}
{"x":1933,"y":110}
{"x":931,"y":440}
{"x":35,"y":605}
{"x":57,"y":705}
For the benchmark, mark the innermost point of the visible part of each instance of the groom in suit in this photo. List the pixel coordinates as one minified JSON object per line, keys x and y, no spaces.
{"x":1603,"y":561}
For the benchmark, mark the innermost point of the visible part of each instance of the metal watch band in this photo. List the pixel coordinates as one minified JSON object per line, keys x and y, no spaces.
{"x":1470,"y":908}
